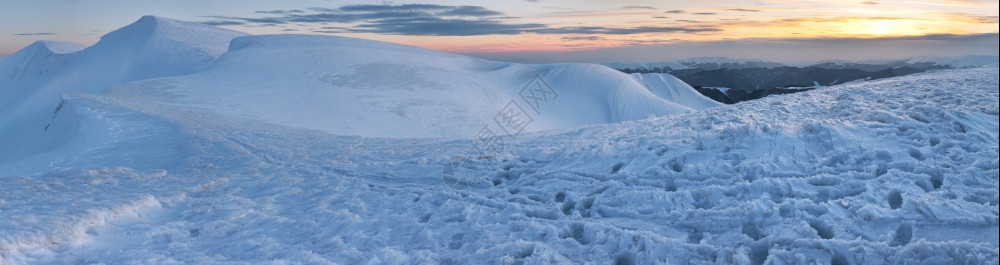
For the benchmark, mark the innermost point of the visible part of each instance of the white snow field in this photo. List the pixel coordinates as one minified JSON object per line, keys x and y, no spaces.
{"x":324,"y":150}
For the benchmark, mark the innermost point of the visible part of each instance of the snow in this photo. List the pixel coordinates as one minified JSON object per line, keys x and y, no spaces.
{"x":36,"y":58}
{"x":231,"y":164}
{"x":359,"y":87}
{"x":724,"y":90}
{"x":151,"y":47}
{"x":668,"y":87}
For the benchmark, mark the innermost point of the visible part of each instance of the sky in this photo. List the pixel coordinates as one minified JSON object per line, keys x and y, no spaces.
{"x":550,"y":31}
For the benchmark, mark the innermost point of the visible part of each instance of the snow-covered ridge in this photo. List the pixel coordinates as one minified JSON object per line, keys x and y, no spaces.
{"x":37,"y":58}
{"x":149,"y":48}
{"x":163,"y":47}
{"x":360,"y":87}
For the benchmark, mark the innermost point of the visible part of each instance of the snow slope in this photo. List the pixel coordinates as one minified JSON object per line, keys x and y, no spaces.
{"x":668,"y":87}
{"x":359,"y":87}
{"x":899,"y":170}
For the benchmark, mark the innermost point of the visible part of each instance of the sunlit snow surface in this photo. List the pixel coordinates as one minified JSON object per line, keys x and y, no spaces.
{"x":900,"y":170}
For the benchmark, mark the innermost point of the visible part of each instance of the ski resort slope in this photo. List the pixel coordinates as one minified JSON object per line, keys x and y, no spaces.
{"x":230,"y":164}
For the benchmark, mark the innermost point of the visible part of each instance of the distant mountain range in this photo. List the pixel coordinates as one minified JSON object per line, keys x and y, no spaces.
{"x":734,"y":80}
{"x":705,"y":63}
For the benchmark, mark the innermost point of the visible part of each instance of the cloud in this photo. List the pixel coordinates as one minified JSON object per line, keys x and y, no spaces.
{"x":705,"y":13}
{"x":638,"y":7}
{"x":581,"y":38}
{"x":406,"y":19}
{"x":623,"y":31}
{"x":433,"y":26}
{"x":426,"y":20}
{"x":744,"y":10}
{"x":789,"y":50}
{"x":470,"y":11}
{"x":870,"y":2}
{"x":392,"y":8}
{"x":280,"y":12}
{"x":223,"y":23}
{"x":34,"y":34}
{"x":675,"y":11}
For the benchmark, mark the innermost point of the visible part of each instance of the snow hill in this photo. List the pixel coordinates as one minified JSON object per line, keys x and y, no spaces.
{"x":225,"y":161}
{"x":359,"y":87}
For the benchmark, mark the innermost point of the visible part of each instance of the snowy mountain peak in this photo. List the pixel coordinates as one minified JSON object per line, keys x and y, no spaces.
{"x":212,"y":41}
{"x":57,"y":47}
{"x":37,"y":58}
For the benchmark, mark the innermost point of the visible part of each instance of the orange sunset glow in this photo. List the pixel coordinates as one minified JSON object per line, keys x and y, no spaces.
{"x":492,"y":28}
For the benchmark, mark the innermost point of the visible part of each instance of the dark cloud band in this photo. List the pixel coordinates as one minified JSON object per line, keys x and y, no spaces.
{"x":426,"y":20}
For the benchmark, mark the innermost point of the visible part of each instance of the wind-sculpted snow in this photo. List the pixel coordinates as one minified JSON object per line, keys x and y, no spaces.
{"x":899,"y":171}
